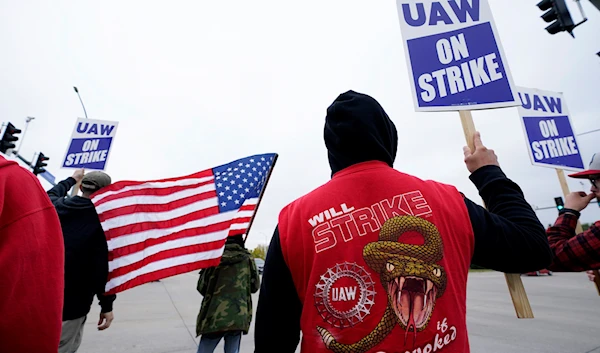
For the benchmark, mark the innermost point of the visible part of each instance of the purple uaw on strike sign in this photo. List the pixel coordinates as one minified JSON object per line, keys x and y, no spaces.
{"x":550,"y":137}
{"x":454,"y":57}
{"x":90,"y":144}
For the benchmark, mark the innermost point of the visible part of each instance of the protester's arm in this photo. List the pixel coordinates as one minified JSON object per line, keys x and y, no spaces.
{"x":100,"y":277}
{"x":277,"y":295}
{"x":106,"y":302}
{"x":106,"y":315}
{"x":574,"y":253}
{"x":508,"y":235}
{"x":205,"y":275}
{"x":61,"y":189}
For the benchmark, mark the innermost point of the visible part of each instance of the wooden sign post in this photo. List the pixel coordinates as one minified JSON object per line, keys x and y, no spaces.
{"x":456,"y":63}
{"x":513,"y":280}
{"x":75,"y":190}
{"x":565,"y":189}
{"x":597,"y":280}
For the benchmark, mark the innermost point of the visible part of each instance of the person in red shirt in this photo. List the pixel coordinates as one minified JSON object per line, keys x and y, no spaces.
{"x":376,"y":260}
{"x":31,"y":264}
{"x":577,"y":252}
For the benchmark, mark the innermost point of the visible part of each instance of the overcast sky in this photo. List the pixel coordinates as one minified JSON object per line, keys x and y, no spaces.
{"x":195,"y":84}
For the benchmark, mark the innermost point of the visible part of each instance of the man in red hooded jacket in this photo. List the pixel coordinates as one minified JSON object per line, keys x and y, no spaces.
{"x":377,"y":260}
{"x":31,"y":264}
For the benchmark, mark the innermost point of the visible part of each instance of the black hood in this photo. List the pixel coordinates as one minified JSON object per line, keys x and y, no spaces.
{"x":357,"y":129}
{"x":74,"y":205}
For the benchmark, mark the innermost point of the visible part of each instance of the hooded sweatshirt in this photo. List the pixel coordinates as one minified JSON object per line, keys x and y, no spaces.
{"x":86,"y":252}
{"x":376,"y":260}
{"x":31,"y":264}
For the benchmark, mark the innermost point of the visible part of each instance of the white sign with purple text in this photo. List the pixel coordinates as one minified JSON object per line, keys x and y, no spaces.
{"x":90,"y":144}
{"x":550,"y":137}
{"x":454,"y":56}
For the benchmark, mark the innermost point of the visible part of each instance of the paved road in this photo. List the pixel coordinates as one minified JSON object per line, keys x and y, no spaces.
{"x":160,"y":317}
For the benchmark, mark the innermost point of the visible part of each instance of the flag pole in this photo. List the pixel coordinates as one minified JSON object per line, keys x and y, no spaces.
{"x":513,"y":280}
{"x":262,"y":192}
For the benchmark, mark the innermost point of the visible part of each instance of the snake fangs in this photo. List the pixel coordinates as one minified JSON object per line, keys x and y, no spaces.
{"x":413,"y":300}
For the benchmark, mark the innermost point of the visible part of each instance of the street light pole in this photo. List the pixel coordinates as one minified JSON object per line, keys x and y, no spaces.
{"x":80,"y":100}
{"x":76,"y":187}
{"x":27,"y":121}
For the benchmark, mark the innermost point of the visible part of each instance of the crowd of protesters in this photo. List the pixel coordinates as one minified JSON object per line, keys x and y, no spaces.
{"x":415,"y":238}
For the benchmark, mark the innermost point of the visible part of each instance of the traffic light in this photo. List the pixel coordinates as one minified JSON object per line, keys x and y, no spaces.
{"x":38,"y":168}
{"x":9,"y":138}
{"x":558,"y":14}
{"x":559,"y":203}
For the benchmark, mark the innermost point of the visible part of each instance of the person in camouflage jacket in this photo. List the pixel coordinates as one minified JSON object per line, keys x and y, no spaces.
{"x":226,"y":310}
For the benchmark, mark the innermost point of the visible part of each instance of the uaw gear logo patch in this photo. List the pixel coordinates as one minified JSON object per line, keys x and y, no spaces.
{"x":344,"y":295}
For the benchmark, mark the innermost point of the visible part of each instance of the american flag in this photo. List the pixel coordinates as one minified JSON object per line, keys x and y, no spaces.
{"x":161,"y":228}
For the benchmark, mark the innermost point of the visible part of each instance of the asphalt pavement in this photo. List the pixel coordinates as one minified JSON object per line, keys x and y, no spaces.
{"x":160,"y":317}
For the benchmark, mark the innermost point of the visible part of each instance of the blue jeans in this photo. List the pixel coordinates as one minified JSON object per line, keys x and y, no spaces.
{"x":208,"y":343}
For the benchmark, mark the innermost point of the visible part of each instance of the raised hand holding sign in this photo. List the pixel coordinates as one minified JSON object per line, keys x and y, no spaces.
{"x":480,"y":157}
{"x":456,"y":63}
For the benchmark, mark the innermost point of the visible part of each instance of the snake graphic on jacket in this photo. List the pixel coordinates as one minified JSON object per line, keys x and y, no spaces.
{"x":412,"y":279}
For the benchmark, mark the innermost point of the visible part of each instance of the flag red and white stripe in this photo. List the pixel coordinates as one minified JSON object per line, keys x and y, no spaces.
{"x":158,"y":229}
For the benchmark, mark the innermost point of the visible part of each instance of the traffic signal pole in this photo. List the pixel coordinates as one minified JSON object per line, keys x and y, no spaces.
{"x":559,"y":17}
{"x":22,"y":159}
{"x":552,"y":207}
{"x":8,"y":138}
{"x":27,"y":121}
{"x":565,"y":189}
{"x":40,"y":164}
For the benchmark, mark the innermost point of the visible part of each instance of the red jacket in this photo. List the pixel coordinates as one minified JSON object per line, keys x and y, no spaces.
{"x":358,"y":264}
{"x":382,"y":268}
{"x":31,"y":264}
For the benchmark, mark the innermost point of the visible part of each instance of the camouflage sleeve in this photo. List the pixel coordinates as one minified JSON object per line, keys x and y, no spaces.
{"x":254,"y":277}
{"x":205,"y":275}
